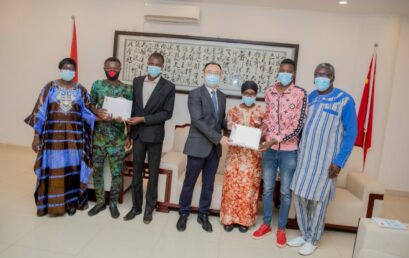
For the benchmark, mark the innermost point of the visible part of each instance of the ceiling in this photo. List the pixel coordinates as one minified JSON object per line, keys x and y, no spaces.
{"x":400,"y":7}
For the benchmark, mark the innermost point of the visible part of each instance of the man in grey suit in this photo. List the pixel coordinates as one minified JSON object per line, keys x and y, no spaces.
{"x":207,"y":107}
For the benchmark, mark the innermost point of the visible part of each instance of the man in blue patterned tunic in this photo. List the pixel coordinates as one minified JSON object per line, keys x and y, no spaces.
{"x":326,"y":143}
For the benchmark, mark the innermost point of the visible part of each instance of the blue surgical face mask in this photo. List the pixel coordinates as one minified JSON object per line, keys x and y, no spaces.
{"x":67,"y":75}
{"x":248,"y":101}
{"x":322,"y":83}
{"x":285,"y":78}
{"x":212,"y":80}
{"x":154,"y":71}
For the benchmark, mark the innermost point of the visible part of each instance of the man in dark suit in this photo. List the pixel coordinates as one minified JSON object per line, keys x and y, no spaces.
{"x":153,"y":102}
{"x":207,"y":107}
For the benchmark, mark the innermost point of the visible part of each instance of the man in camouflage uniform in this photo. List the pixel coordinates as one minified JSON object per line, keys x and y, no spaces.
{"x":109,"y":136}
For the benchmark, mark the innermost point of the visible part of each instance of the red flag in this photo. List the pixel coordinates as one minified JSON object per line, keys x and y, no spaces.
{"x":74,"y":53}
{"x":368,"y":135}
{"x":364,"y":137}
{"x":363,"y":109}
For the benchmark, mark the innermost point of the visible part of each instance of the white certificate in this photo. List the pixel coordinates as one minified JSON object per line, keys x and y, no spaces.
{"x":244,"y":136}
{"x":118,"y":107}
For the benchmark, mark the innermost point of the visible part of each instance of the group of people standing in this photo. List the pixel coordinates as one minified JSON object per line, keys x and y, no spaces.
{"x":74,"y":134}
{"x":306,"y":139}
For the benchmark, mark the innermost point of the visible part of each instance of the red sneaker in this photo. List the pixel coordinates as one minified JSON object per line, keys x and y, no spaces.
{"x":281,"y":239}
{"x":262,"y":231}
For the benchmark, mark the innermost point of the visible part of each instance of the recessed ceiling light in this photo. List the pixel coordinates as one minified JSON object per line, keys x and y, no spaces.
{"x":342,"y":2}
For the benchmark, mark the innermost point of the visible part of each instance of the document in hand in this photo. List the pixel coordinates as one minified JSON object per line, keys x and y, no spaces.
{"x":118,"y":107}
{"x":244,"y":136}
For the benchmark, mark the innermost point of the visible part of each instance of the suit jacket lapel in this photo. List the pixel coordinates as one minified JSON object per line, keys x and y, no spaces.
{"x":155,"y":91}
{"x":139,"y":93}
{"x":220,"y":105}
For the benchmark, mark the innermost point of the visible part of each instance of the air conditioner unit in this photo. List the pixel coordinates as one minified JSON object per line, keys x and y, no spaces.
{"x":172,"y":13}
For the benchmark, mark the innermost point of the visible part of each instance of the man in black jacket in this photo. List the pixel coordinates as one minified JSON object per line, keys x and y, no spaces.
{"x":153,"y":102}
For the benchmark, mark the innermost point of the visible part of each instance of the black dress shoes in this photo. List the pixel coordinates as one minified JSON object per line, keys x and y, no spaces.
{"x":72,"y":211}
{"x":203,"y":220}
{"x":243,"y":229}
{"x":132,"y":214}
{"x":181,"y":225}
{"x":114,"y":211}
{"x":96,"y":209}
{"x":228,"y":228}
{"x":147,"y":217}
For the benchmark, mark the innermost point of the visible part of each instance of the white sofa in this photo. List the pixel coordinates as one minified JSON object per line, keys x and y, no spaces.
{"x":172,"y":174}
{"x":376,"y":242}
{"x":357,"y":193}
{"x":357,"y":196}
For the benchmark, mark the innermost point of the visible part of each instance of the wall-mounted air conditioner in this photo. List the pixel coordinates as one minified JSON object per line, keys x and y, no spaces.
{"x":172,"y":13}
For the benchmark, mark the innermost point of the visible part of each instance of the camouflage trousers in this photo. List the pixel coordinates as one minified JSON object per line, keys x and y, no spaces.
{"x":115,"y":156}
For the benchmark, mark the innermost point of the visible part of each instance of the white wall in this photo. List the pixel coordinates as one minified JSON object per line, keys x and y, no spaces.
{"x":36,"y":35}
{"x":394,"y":170}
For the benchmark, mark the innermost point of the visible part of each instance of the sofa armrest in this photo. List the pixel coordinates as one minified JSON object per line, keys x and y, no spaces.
{"x":361,"y":185}
{"x":366,"y":188}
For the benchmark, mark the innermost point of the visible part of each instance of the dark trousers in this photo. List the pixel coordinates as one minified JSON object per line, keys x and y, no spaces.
{"x":208,"y":167}
{"x":154,"y":151}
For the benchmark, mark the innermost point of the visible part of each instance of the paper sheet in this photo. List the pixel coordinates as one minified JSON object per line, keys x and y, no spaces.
{"x":389,"y":223}
{"x":248,"y":137}
{"x":118,"y":107}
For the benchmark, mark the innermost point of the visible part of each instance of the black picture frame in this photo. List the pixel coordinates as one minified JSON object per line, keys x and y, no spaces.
{"x":123,"y":39}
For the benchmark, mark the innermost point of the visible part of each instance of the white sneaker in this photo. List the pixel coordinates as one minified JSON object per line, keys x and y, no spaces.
{"x":307,"y":249}
{"x":298,"y":241}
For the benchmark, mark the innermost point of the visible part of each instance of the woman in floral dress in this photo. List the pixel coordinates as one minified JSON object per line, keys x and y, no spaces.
{"x":243,"y":166}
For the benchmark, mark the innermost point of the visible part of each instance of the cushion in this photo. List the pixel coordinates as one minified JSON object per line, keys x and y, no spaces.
{"x":354,"y":164}
{"x":222,"y":162}
{"x":179,"y":138}
{"x":342,"y":179}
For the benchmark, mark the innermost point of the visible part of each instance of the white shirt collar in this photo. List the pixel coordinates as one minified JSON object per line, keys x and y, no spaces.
{"x":154,"y":81}
{"x":210,"y":90}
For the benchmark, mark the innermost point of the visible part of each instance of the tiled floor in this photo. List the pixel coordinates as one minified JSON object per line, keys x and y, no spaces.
{"x":23,"y":234}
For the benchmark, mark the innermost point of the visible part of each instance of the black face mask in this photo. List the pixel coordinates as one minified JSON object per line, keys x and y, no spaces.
{"x":112,"y":75}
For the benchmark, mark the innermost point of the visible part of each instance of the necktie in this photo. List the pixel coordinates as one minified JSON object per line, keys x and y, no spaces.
{"x":214,"y":100}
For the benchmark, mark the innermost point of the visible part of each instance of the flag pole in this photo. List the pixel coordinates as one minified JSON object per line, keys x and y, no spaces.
{"x":365,"y":128}
{"x":364,"y":149}
{"x":74,"y":51}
